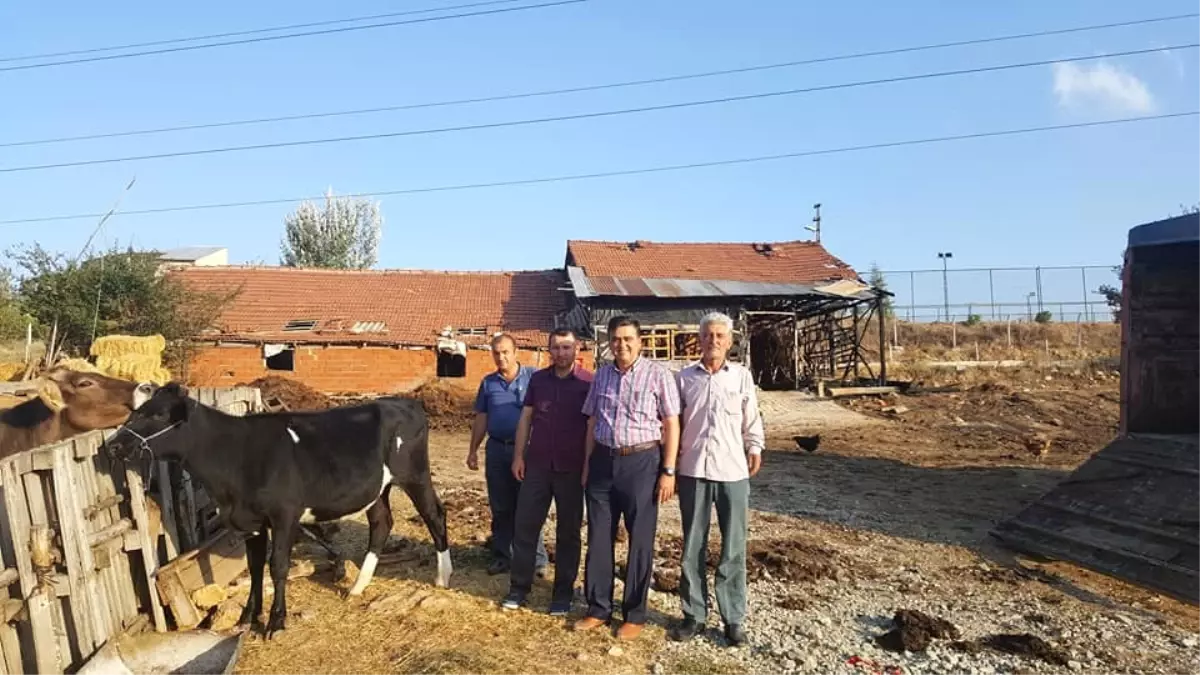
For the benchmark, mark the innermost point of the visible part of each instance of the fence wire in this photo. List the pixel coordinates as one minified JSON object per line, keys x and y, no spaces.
{"x":1056,"y":293}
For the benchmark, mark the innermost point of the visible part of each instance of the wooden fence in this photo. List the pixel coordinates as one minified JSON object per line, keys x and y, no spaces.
{"x":80,"y":550}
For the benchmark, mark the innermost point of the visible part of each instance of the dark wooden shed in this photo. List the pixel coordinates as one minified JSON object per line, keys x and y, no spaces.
{"x":1133,"y":509}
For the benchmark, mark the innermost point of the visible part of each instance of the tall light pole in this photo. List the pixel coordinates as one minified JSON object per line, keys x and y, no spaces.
{"x":945,"y":255}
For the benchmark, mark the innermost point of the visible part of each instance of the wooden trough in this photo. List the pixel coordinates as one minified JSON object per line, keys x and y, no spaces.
{"x":81,"y":556}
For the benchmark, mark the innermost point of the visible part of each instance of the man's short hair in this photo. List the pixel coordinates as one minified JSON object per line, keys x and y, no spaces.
{"x":500,"y":337}
{"x":716,"y":317}
{"x":623,"y":320}
{"x":562,"y":332}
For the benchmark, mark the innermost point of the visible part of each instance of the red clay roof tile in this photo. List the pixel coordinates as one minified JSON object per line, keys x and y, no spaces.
{"x":802,"y":262}
{"x":414,"y":305}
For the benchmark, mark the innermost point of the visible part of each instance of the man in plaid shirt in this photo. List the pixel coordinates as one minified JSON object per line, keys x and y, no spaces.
{"x":633,"y":438}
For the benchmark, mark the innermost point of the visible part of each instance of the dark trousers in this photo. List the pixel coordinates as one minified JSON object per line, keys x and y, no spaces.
{"x":503,"y":491}
{"x":540,"y":486}
{"x":621,"y":486}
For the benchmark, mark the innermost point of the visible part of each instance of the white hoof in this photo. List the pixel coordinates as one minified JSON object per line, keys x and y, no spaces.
{"x":445,"y":569}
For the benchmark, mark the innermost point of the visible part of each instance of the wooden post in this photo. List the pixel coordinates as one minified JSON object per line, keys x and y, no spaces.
{"x":796,"y":349}
{"x":38,"y":598}
{"x":882,"y":332}
{"x":166,"y":503}
{"x":86,"y":600}
{"x":137,"y":505}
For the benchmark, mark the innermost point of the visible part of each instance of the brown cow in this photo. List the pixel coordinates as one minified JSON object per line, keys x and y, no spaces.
{"x":69,"y":403}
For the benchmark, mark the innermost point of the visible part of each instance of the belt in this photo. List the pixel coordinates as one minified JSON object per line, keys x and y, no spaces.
{"x":503,"y":441}
{"x":626,"y":450}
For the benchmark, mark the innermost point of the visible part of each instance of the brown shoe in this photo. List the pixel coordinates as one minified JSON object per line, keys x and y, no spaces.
{"x":629,"y":631}
{"x":588,"y":623}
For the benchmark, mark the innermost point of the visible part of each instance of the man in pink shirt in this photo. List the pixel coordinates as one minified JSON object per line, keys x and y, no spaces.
{"x":720,"y":448}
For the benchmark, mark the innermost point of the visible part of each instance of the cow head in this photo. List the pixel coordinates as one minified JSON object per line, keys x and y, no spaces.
{"x":156,"y":426}
{"x":90,"y":401}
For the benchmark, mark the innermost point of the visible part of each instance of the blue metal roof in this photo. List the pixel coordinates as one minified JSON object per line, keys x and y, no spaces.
{"x":1184,"y":228}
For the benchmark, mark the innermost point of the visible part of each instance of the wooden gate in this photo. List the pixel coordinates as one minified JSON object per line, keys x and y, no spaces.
{"x":80,"y":550}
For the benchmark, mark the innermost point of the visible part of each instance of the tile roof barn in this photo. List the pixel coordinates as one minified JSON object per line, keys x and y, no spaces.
{"x":392,"y":307}
{"x":789,"y":262}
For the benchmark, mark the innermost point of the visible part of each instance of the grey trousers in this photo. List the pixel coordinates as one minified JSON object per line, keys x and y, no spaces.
{"x":696,"y":499}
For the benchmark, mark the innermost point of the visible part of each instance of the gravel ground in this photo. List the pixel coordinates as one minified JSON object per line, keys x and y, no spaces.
{"x":834,"y":629}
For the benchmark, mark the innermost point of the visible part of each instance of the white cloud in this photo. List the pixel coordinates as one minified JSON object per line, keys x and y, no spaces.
{"x":1101,"y":84}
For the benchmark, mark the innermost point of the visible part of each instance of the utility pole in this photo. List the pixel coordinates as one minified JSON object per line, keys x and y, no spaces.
{"x":945,"y":255}
{"x":816,"y":226}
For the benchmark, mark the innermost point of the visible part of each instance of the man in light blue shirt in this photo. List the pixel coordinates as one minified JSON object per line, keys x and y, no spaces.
{"x":498,"y":406}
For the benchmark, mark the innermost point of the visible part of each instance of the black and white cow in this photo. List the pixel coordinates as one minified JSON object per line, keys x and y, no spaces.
{"x":277,"y":471}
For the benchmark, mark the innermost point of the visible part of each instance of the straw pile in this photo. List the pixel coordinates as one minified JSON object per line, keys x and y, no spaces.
{"x":11,"y":371}
{"x":130,"y":357}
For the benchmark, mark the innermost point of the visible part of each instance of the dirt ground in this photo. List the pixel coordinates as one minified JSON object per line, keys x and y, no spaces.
{"x":898,"y":508}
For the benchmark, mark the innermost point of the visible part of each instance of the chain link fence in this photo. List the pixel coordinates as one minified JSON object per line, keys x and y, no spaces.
{"x":1058,"y":293}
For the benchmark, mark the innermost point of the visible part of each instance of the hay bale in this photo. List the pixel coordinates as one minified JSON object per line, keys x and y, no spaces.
{"x":134,"y":367}
{"x":11,"y":370}
{"x":125,"y":345}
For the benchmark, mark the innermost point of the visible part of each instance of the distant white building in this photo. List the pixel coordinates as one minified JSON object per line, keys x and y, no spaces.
{"x":196,"y":256}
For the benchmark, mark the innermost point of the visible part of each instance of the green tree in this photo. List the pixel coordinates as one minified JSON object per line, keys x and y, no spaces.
{"x":344,"y":234}
{"x":112,"y":292}
{"x":879,"y":281}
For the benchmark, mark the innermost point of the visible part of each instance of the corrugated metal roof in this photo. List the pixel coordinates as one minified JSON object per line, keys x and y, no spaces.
{"x":191,"y":253}
{"x":592,"y":286}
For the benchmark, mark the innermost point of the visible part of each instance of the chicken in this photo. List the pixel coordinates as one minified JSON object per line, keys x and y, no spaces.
{"x":808,"y":443}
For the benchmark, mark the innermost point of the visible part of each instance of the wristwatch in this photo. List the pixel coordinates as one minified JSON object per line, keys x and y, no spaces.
{"x":668,"y":471}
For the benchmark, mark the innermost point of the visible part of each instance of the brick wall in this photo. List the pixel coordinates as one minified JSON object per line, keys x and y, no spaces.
{"x":342,"y":369}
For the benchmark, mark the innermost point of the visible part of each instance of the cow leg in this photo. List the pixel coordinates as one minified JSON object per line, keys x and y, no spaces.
{"x":379,"y":524}
{"x":432,"y":511}
{"x":256,"y":558}
{"x":281,"y":560}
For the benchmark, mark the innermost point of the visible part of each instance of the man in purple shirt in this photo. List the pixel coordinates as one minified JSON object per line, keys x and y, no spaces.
{"x":633,"y":437}
{"x":548,"y":460}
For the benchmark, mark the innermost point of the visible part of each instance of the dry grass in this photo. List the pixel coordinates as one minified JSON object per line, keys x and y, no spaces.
{"x":419,"y":628}
{"x":999,"y":341}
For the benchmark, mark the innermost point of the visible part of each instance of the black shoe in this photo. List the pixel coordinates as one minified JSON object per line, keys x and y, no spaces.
{"x":685,"y":630}
{"x":513,"y":600}
{"x":498,"y":566}
{"x":735,"y":635}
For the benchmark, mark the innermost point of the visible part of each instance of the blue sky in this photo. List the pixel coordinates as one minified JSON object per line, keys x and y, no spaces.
{"x":1061,"y":198}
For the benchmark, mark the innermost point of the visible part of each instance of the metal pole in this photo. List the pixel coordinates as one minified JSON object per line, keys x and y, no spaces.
{"x":1038,"y":272}
{"x":1083,"y":276}
{"x":945,"y":290}
{"x":992,"y":294}
{"x":912,"y":294}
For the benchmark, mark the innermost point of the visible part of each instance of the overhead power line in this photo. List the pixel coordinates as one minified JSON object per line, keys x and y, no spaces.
{"x":573,"y":117}
{"x":629,"y":172}
{"x":269,"y":38}
{"x":255,"y":31}
{"x":586,"y":88}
